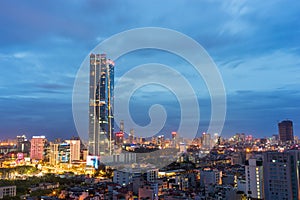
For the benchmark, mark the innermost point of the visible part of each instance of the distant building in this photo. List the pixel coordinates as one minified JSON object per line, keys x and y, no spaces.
{"x":148,"y":191}
{"x":37,"y":147}
{"x":83,"y":154}
{"x":23,"y":145}
{"x":239,"y":137}
{"x":119,"y":138}
{"x":174,"y":137}
{"x":74,"y":149}
{"x":185,"y":181}
{"x":210,"y":176}
{"x":206,"y":141}
{"x":182,"y":147}
{"x":229,"y":179}
{"x":151,"y":175}
{"x":64,"y":152}
{"x":8,"y":191}
{"x":8,"y":145}
{"x":238,"y":158}
{"x":275,"y":137}
{"x":125,"y":177}
{"x":53,"y":153}
{"x":281,"y":175}
{"x":131,"y":136}
{"x":254,"y":178}
{"x":285,"y":129}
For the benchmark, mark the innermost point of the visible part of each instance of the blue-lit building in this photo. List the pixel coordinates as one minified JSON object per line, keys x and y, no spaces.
{"x":64,"y":153}
{"x":101,"y":98}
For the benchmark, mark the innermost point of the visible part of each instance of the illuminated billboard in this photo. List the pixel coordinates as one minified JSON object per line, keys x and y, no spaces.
{"x":93,"y":161}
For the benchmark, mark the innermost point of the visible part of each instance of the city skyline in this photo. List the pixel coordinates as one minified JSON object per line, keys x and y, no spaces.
{"x":254,"y":44}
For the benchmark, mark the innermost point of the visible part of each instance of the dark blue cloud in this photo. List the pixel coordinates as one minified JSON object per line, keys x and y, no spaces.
{"x":255,"y":45}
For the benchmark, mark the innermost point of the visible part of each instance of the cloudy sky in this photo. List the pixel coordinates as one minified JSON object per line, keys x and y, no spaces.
{"x":255,"y":45}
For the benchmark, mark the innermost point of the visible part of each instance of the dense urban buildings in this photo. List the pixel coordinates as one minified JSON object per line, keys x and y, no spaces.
{"x":240,"y":167}
{"x":286,"y":130}
{"x":101,"y":94}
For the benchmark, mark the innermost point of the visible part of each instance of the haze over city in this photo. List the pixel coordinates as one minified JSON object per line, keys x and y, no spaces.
{"x":254,"y":44}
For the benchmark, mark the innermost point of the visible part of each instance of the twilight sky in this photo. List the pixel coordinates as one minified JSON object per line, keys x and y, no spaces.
{"x":255,"y":45}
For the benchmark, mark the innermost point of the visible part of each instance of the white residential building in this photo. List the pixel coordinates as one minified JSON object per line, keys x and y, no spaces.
{"x":254,"y":178}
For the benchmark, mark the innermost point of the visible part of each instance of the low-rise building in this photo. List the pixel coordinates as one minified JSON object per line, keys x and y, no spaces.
{"x":10,"y":191}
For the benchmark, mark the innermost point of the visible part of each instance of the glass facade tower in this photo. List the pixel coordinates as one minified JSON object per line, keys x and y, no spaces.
{"x":101,"y":98}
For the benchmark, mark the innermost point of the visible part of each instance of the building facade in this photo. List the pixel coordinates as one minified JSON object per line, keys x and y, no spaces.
{"x":53,"y":153}
{"x":254,"y":178}
{"x":101,"y":98}
{"x":74,"y":149}
{"x":8,"y":191}
{"x":281,"y":175}
{"x":64,"y":152}
{"x":206,"y":141}
{"x":210,"y":176}
{"x":37,"y":147}
{"x":23,"y":145}
{"x":285,"y":129}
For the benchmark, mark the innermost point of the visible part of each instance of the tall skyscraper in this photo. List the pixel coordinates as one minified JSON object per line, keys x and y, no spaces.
{"x":281,"y":175}
{"x":285,"y":129}
{"x":101,"y":93}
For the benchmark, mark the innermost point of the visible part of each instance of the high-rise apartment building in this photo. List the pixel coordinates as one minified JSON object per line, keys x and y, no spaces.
{"x":281,"y":175}
{"x":254,"y":178}
{"x":64,"y":152}
{"x":101,"y":98}
{"x":53,"y":153}
{"x":119,"y":136}
{"x":37,"y":147}
{"x":74,"y":149}
{"x":206,"y":141}
{"x":131,"y":136}
{"x":285,"y":129}
{"x":23,"y":145}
